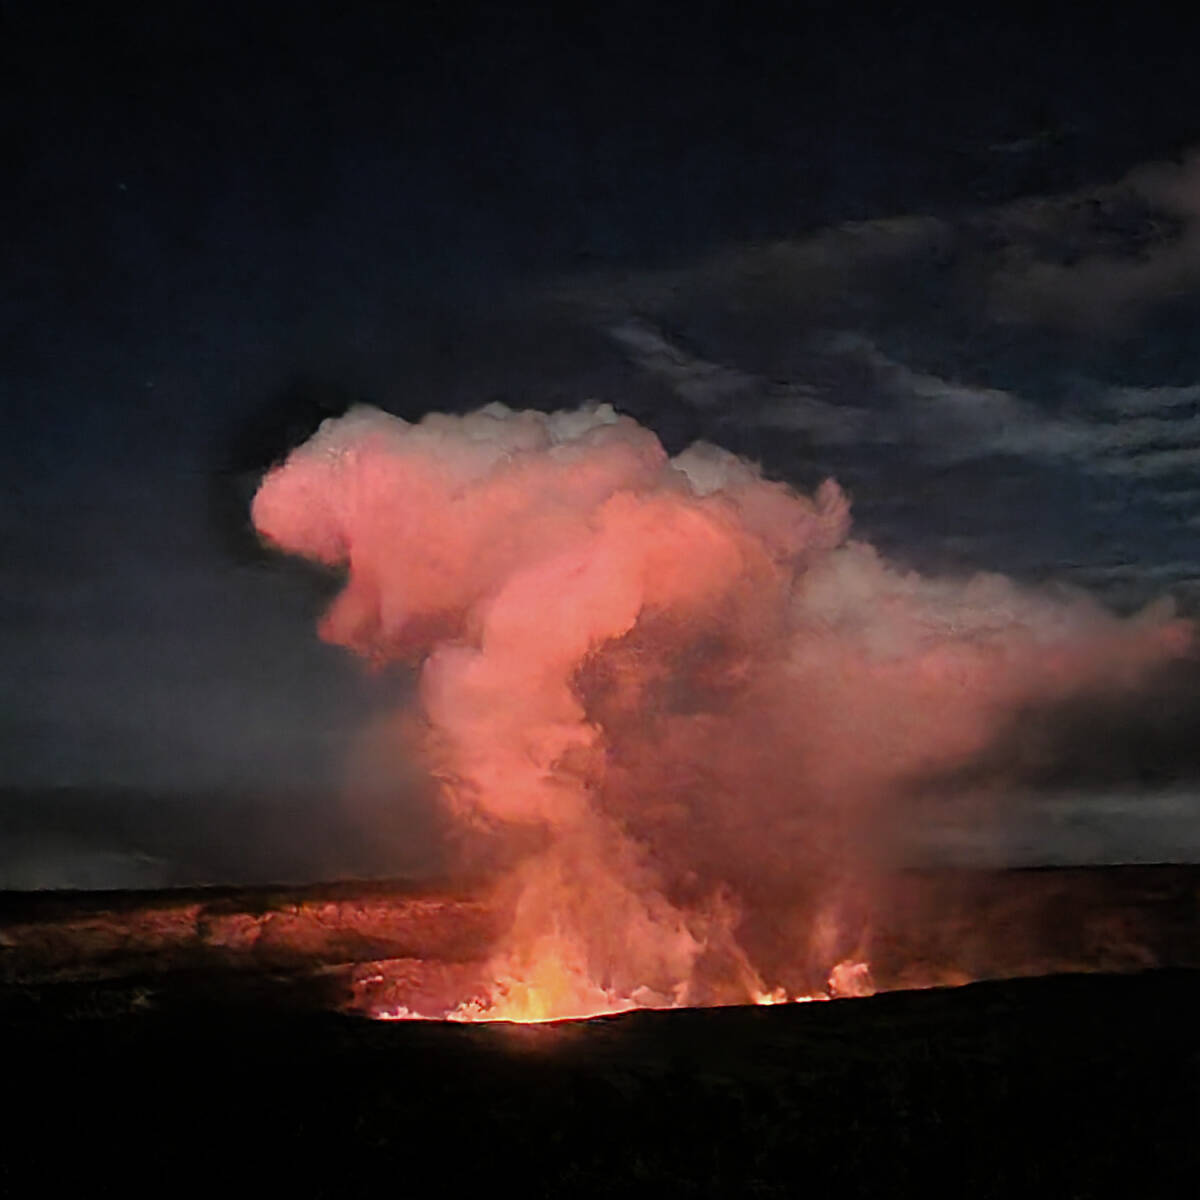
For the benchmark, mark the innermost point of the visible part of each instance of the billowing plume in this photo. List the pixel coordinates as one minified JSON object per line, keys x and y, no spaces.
{"x":676,"y":704}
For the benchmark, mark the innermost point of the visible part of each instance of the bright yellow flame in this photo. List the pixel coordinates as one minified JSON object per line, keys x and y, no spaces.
{"x":550,"y":984}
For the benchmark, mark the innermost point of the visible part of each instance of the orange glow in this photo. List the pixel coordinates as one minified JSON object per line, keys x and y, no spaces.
{"x":552,"y":989}
{"x":670,"y":705}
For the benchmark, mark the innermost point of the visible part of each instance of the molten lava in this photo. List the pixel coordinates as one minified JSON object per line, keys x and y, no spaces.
{"x":550,"y":990}
{"x":669,"y":705}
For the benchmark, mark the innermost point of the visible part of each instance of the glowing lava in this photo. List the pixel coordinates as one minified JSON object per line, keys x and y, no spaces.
{"x":553,"y":991}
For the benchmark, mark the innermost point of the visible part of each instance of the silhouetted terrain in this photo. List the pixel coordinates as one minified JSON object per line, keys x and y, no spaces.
{"x":1065,"y":1087}
{"x":210,"y":1039}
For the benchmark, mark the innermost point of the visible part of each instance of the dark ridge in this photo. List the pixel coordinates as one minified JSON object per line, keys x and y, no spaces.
{"x":255,"y":898}
{"x":1056,"y":1087}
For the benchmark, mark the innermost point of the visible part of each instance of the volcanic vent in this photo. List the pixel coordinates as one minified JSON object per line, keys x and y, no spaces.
{"x":671,"y":706}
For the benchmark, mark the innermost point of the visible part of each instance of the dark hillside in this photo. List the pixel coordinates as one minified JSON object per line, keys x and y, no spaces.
{"x":1064,"y":1087}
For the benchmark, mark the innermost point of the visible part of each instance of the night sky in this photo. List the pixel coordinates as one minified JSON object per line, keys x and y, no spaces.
{"x":951,"y":260}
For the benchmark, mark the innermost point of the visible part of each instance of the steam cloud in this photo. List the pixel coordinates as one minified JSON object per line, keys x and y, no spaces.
{"x":677,"y":704}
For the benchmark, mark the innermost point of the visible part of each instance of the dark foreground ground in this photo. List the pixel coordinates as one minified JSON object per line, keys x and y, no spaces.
{"x":1065,"y":1086}
{"x":205,"y":1040}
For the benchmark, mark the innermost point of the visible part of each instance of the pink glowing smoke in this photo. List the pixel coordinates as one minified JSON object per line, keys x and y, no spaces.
{"x":680,"y":688}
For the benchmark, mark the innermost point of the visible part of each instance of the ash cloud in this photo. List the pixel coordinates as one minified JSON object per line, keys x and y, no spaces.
{"x":1139,"y":738}
{"x":667,"y":699}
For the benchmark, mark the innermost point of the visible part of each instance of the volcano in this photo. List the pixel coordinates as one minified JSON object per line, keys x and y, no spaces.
{"x":668,"y":706}
{"x":221,"y":1033}
{"x":372,"y":948}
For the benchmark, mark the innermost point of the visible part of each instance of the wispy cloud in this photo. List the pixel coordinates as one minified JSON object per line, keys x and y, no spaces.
{"x":1093,"y":260}
{"x":1098,"y":258}
{"x":944,"y":421}
{"x":1132,"y":401}
{"x":808,"y":274}
{"x":726,"y":390}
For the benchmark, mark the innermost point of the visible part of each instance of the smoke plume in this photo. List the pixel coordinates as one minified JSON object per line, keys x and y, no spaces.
{"x":675,"y":705}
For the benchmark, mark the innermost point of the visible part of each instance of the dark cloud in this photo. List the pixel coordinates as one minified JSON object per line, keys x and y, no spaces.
{"x":1100,"y":259}
{"x":1147,"y":738}
{"x":1097,"y":260}
{"x":97,"y":836}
